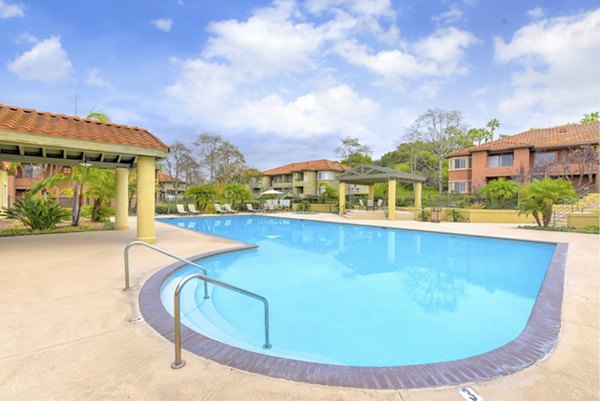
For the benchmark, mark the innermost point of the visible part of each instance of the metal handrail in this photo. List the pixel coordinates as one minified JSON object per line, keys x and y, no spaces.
{"x":131,"y":244}
{"x":179,"y":363}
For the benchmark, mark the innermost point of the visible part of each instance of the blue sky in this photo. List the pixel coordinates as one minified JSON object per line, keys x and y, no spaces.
{"x":286,"y":80}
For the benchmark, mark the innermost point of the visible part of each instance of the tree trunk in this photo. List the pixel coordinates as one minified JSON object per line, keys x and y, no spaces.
{"x":440,"y":174}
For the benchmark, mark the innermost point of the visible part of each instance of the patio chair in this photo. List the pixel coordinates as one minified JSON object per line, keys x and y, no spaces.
{"x":270,"y":207}
{"x":380,"y":203}
{"x":228,"y":208}
{"x":181,"y":210}
{"x":192,"y":209}
{"x":251,"y":208}
{"x":361,"y":204}
{"x":218,"y":209}
{"x":370,"y":205}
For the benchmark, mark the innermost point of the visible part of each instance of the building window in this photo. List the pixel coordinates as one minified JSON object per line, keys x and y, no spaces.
{"x":31,"y":170}
{"x":460,"y":187}
{"x":545,"y":157}
{"x":460,"y":163}
{"x":326,"y":175}
{"x":500,"y":160}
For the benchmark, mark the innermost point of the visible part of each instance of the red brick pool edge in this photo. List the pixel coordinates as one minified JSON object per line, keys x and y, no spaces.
{"x":537,"y":339}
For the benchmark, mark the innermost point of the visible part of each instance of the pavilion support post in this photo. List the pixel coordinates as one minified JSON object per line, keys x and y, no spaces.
{"x":145,"y":199}
{"x":371,"y":192}
{"x":121,"y":199}
{"x":418,"y":189}
{"x":342,"y":198}
{"x":391,"y":199}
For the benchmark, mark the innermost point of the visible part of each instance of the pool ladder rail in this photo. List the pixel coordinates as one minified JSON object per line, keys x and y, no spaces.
{"x":179,"y":363}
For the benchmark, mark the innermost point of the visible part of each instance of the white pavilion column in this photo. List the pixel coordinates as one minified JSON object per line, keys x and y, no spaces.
{"x":145,"y":199}
{"x":121,"y":199}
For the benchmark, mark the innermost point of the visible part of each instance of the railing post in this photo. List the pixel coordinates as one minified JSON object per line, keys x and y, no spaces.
{"x":179,"y":363}
{"x":126,"y":256}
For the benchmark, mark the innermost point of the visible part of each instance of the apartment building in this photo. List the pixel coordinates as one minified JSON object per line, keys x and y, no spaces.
{"x":570,"y":151}
{"x":303,"y":178}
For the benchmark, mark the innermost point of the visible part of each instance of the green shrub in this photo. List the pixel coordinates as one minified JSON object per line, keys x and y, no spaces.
{"x":426,"y":213}
{"x":454,"y":215}
{"x":36,"y":213}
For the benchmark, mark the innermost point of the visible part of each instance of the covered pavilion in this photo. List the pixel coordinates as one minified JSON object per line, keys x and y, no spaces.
{"x":31,"y":136}
{"x":368,"y":174}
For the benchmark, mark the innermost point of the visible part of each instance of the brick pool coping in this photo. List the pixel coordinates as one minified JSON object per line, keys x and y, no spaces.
{"x":537,"y":339}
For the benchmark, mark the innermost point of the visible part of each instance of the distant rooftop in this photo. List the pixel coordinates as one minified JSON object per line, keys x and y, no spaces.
{"x":546,"y":138}
{"x":312,"y":165}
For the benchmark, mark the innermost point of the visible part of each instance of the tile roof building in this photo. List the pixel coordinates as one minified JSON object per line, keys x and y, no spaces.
{"x":569,"y":151}
{"x":302,"y":178}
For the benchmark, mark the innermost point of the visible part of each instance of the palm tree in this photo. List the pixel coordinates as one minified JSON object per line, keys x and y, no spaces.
{"x":98,"y":115}
{"x":493,"y":124}
{"x":539,"y":196}
{"x":590,"y":118}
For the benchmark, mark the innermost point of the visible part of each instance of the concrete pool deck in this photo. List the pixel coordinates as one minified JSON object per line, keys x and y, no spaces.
{"x":69,"y":332}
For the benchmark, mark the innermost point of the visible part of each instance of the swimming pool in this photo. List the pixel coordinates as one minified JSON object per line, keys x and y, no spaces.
{"x":350,"y":295}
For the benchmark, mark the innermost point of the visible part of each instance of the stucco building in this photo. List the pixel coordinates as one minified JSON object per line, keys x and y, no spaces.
{"x":569,"y":151}
{"x":303,"y":178}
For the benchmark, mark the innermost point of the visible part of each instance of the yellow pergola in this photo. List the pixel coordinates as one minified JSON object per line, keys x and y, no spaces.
{"x":31,"y":136}
{"x":368,"y":174}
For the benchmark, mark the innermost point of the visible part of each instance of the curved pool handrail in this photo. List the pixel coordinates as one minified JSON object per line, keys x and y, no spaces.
{"x":157,"y":249}
{"x":179,"y":363}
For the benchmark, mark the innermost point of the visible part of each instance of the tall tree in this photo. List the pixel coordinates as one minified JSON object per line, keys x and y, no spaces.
{"x":180,"y":164}
{"x":353,"y":153}
{"x":231,"y":163}
{"x":443,"y":130}
{"x":209,"y":149}
{"x":493,"y":124}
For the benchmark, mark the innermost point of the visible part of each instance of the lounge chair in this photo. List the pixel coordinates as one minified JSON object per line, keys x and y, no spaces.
{"x":218,"y":209}
{"x":228,"y":208}
{"x":380,"y":204}
{"x":192,"y":209}
{"x":361,"y":203}
{"x":251,"y":208}
{"x":370,"y":204}
{"x":181,"y":210}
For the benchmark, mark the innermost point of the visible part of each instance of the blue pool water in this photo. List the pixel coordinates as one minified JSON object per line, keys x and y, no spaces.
{"x":362,"y":296}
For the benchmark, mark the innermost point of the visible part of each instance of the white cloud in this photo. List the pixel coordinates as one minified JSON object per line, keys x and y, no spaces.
{"x":93,"y":79}
{"x":47,"y":61}
{"x":268,"y":43}
{"x":556,"y":69}
{"x":439,"y":55}
{"x":536,"y":13}
{"x":164,"y":24}
{"x":334,"y":110}
{"x":26,"y":37}
{"x":10,"y":10}
{"x":453,"y":15}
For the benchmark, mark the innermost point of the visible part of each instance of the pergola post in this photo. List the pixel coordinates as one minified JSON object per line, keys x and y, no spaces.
{"x":392,"y":199}
{"x":418,"y":190}
{"x":371,"y":192}
{"x":342,"y":198}
{"x":145,"y":199}
{"x":121,"y":199}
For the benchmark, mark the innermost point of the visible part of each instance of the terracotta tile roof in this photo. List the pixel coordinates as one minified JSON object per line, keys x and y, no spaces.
{"x":59,"y":125}
{"x":164,"y":177}
{"x":556,"y":137}
{"x":313,"y":165}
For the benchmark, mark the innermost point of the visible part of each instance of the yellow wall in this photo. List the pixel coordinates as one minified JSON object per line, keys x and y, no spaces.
{"x":581,"y":220}
{"x":484,"y":215}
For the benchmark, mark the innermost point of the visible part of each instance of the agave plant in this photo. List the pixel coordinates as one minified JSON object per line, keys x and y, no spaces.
{"x":36,"y":213}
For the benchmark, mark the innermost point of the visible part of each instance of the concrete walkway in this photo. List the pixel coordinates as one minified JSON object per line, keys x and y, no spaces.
{"x":69,"y":332}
